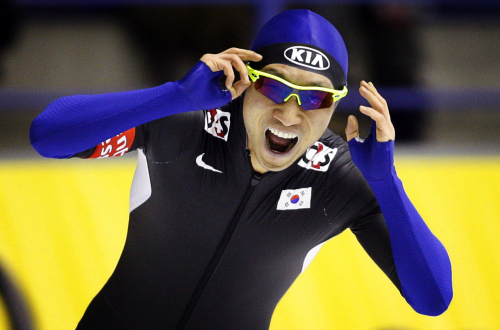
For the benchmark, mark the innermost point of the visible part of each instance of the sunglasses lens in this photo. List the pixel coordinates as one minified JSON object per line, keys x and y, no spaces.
{"x":273,"y":89}
{"x":278,"y":92}
{"x":312,"y":100}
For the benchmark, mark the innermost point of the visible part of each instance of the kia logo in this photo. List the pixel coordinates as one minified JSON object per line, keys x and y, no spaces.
{"x":308,"y":57}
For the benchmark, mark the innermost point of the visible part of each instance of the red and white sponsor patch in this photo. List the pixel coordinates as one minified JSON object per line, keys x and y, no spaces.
{"x":318,"y":157}
{"x":116,"y":146}
{"x":217,"y":123}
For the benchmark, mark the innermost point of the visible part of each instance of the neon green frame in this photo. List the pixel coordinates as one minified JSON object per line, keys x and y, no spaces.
{"x":337,"y":95}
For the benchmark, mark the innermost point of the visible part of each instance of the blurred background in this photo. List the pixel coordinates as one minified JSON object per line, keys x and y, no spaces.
{"x":63,"y":223}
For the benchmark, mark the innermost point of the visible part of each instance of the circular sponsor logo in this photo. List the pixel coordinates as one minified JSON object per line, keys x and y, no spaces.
{"x":294,"y":199}
{"x":307,"y":57}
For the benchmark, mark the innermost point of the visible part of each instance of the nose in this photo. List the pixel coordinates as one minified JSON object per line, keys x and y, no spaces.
{"x":289,"y":113}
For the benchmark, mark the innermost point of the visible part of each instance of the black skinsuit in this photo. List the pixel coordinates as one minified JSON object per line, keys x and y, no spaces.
{"x":210,"y":250}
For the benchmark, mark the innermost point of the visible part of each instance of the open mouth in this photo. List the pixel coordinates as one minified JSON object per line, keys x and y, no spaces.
{"x":280,"y":142}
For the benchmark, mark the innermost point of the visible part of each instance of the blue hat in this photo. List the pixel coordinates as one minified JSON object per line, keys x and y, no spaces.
{"x":303,"y":39}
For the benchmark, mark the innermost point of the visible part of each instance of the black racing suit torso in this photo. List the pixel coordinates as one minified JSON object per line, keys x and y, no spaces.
{"x":213,"y":245}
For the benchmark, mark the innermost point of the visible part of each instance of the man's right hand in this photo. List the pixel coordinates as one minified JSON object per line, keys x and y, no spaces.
{"x":225,"y":61}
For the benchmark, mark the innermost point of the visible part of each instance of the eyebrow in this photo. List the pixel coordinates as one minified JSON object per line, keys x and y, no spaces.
{"x":279,"y":74}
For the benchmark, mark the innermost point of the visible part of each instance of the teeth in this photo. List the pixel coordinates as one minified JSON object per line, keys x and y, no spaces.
{"x":282,"y":134}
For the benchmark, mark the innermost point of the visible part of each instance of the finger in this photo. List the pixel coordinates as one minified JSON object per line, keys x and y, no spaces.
{"x":373,"y":100}
{"x":238,"y":88}
{"x":244,"y":54}
{"x":238,"y":64}
{"x":377,"y":94}
{"x":217,"y":63}
{"x":385,"y":129}
{"x":352,"y":128}
{"x":210,"y":61}
{"x":372,"y":113}
{"x":367,"y":92}
{"x":374,"y":90}
{"x":228,"y":71}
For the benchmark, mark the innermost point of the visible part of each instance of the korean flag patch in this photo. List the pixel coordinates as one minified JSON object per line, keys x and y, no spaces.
{"x":294,"y":199}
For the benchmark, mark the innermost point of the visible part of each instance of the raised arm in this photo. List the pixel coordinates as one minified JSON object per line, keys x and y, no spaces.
{"x":76,"y":123}
{"x":422,"y":263}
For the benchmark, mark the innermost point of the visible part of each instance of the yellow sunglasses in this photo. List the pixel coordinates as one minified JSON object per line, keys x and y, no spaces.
{"x":279,"y":90}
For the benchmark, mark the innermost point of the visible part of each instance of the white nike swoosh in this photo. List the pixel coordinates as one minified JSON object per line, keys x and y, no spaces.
{"x":200,"y":163}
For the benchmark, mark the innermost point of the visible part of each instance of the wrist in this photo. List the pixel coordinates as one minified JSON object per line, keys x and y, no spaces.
{"x":374,"y":159}
{"x":201,"y":87}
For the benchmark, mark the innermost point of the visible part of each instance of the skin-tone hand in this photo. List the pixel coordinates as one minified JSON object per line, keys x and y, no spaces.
{"x":225,"y":61}
{"x":379,"y":112}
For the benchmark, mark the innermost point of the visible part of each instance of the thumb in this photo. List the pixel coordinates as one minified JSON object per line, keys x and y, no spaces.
{"x":352,"y":128}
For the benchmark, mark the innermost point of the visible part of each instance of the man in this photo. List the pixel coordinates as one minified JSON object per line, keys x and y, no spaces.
{"x":229,"y":204}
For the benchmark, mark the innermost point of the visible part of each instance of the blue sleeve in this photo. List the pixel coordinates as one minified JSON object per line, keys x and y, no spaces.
{"x":76,"y":123}
{"x":422,"y":263}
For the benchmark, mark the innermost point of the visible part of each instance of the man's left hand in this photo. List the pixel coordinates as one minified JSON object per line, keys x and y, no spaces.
{"x":379,"y":112}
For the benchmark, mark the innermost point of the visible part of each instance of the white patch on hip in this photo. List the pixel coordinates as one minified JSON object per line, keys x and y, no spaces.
{"x":141,"y":185}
